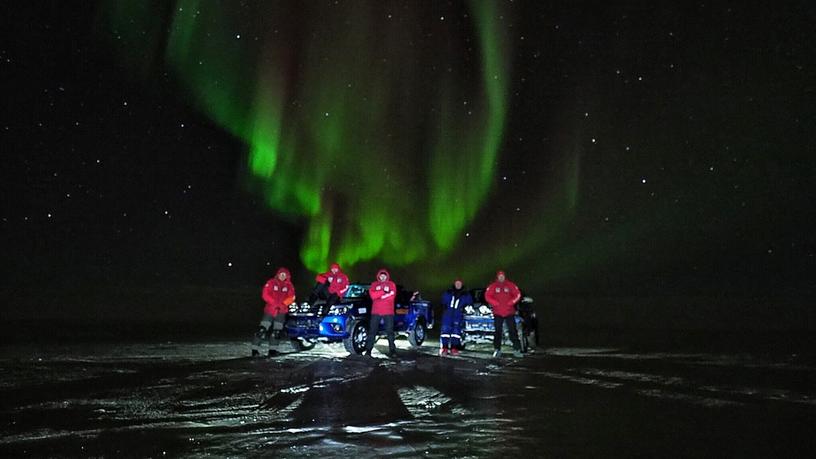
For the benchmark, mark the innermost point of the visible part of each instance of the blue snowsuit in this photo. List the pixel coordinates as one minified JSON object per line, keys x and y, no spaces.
{"x":453,"y":304}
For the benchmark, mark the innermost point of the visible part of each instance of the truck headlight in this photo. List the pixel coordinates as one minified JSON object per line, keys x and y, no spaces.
{"x":338,"y":310}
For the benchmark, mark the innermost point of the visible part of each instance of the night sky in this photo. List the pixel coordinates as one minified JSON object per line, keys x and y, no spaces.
{"x":631,"y":148}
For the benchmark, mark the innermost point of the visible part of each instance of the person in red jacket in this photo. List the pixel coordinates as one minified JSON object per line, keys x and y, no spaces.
{"x":383,"y":292}
{"x":278,"y":293}
{"x":502,"y":295}
{"x":331,"y":286}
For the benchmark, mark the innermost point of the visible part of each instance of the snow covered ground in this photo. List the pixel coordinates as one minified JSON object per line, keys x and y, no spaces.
{"x":210,"y":399}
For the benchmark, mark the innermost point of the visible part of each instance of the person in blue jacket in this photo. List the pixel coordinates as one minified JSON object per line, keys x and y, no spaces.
{"x":454,"y":301}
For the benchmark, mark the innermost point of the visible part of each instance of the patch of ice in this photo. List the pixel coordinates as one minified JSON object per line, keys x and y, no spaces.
{"x":632,"y":376}
{"x":580,"y":380}
{"x":421,"y":400}
{"x":689,"y":398}
{"x":363,"y":429}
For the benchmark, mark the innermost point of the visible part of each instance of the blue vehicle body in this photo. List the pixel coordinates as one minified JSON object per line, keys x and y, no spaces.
{"x":348,"y":320}
{"x":478,"y":327}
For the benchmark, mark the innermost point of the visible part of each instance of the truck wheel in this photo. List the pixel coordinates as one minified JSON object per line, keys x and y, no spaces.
{"x":358,"y":335}
{"x":417,"y":335}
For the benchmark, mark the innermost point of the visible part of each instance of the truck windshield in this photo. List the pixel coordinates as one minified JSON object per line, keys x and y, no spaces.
{"x":357,"y":291}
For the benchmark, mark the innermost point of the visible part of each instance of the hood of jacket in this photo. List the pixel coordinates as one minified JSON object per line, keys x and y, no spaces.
{"x":283,"y":270}
{"x":383,"y":271}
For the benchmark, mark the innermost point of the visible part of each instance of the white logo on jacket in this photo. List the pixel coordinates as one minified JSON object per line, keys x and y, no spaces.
{"x":498,"y":289}
{"x":286,"y":289}
{"x":275,"y":288}
{"x":506,"y":290}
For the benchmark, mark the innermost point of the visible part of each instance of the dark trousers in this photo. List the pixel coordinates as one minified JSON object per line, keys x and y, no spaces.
{"x":450,"y":332}
{"x":498,"y":325}
{"x":270,"y":328}
{"x":321,"y":291}
{"x":374,"y":328}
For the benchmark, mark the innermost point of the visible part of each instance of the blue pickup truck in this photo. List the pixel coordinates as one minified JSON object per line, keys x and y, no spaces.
{"x":348,"y":320}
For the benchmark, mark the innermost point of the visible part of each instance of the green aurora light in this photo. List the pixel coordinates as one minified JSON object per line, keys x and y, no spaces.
{"x":362,"y":127}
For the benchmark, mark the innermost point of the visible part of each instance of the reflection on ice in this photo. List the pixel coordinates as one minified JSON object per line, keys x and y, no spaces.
{"x":363,"y":429}
{"x":580,"y":379}
{"x":633,"y":376}
{"x":196,"y":400}
{"x":421,"y":400}
{"x":690,"y":398}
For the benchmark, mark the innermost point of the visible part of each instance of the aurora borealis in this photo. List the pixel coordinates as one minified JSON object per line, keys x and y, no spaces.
{"x":582,"y":148}
{"x":364,"y":130}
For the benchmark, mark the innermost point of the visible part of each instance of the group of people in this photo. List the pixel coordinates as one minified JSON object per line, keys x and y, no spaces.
{"x":502,"y":295}
{"x":278,"y":293}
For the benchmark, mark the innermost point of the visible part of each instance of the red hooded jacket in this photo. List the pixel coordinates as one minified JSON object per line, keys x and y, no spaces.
{"x":383,"y":294}
{"x":338,"y":283}
{"x":502,"y":296}
{"x":278,"y":294}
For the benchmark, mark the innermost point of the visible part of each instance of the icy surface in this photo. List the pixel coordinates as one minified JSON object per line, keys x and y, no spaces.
{"x":195,"y":400}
